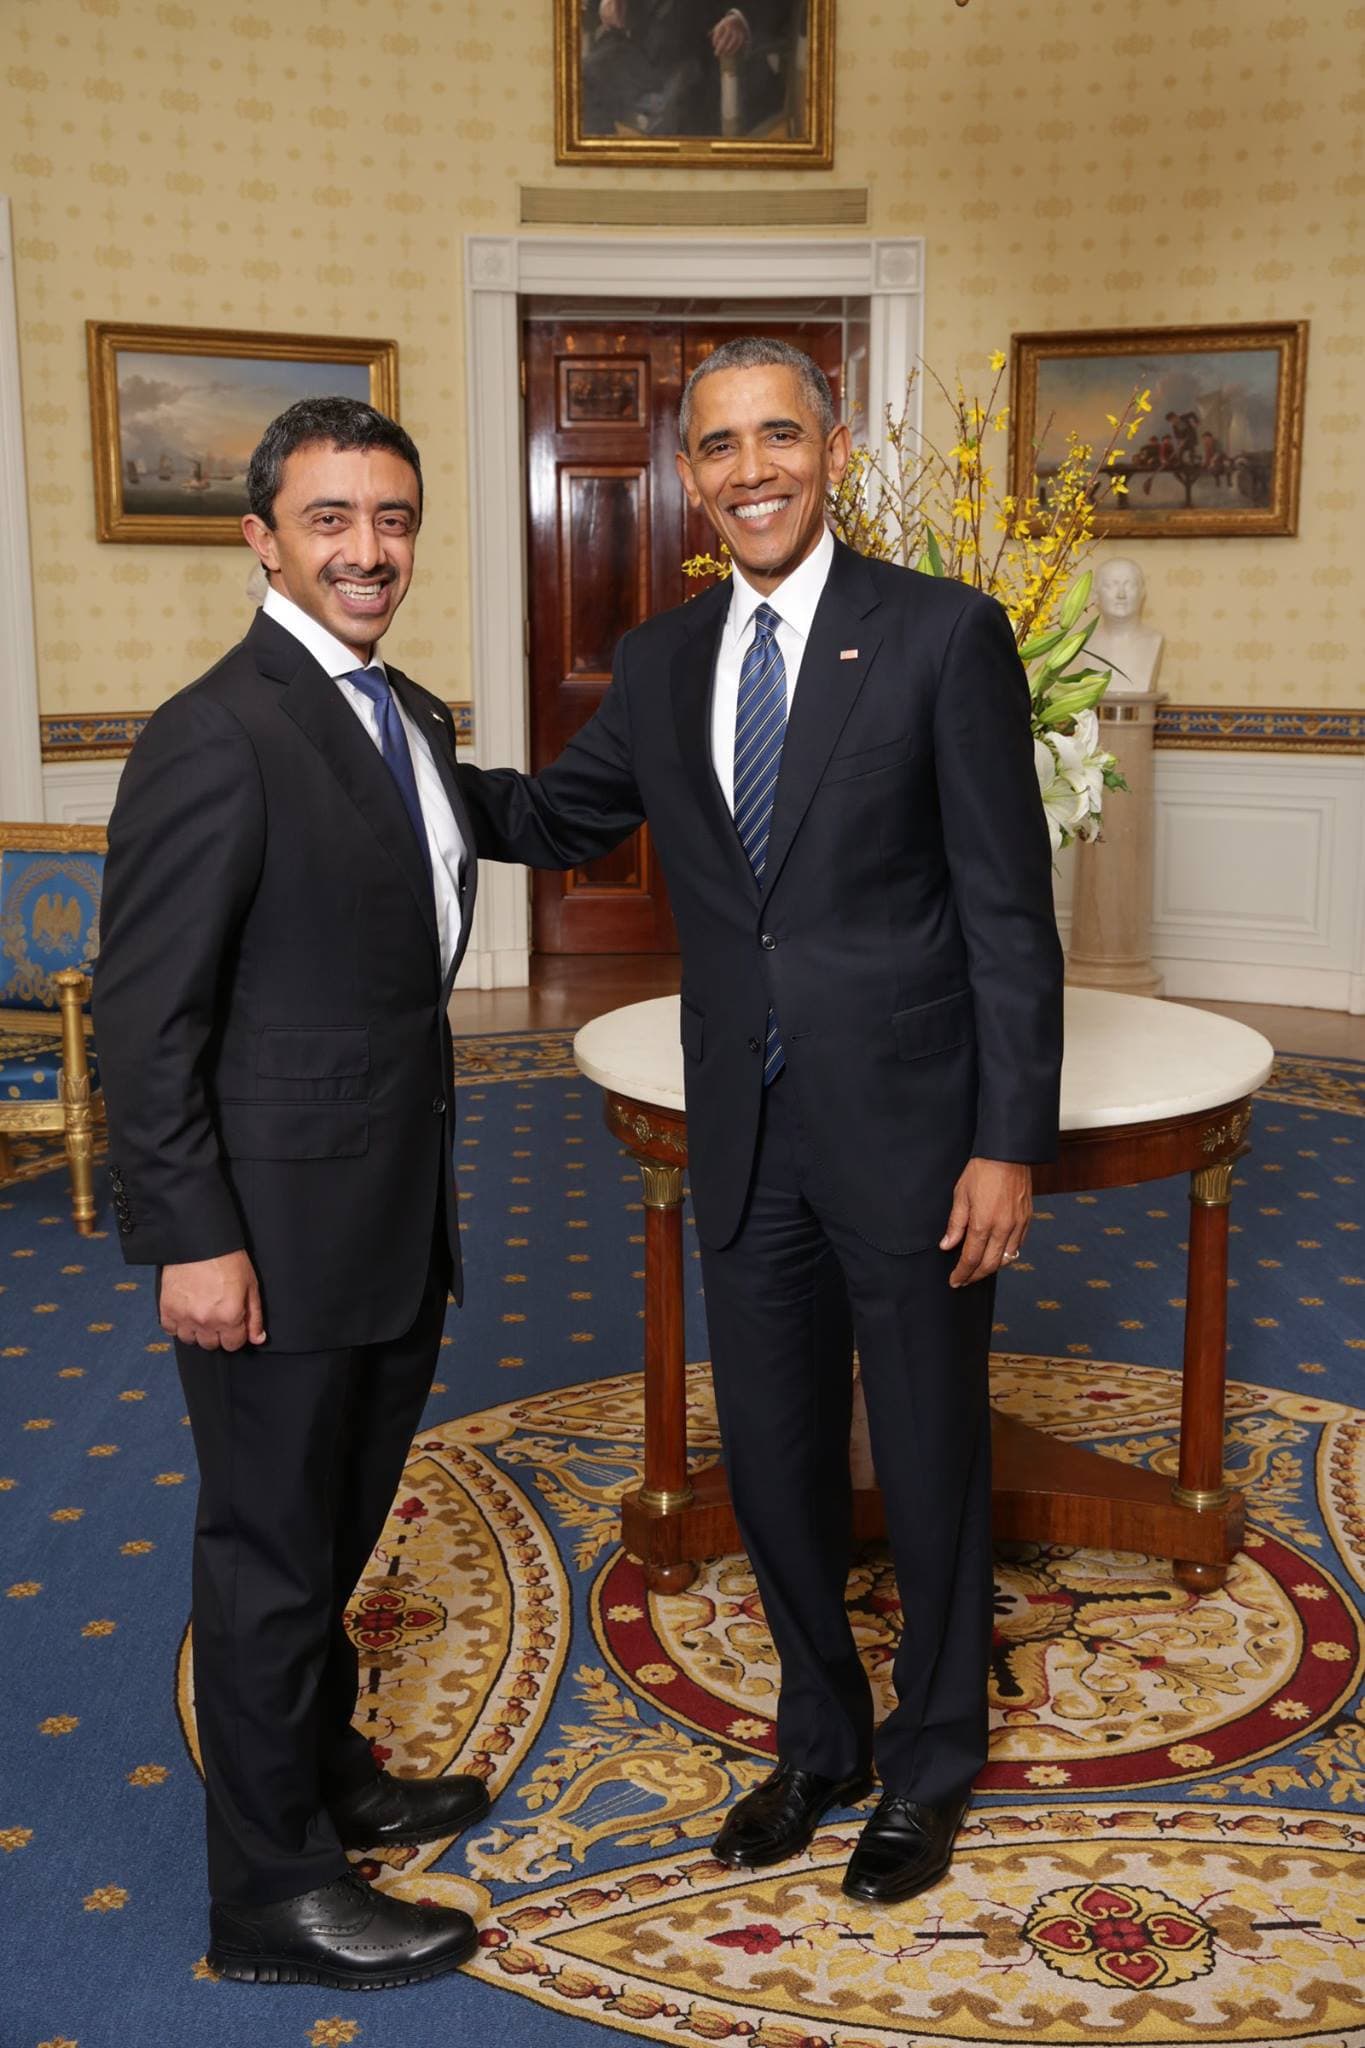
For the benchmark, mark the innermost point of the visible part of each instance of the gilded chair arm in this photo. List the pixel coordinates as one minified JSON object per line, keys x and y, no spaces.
{"x":73,"y":993}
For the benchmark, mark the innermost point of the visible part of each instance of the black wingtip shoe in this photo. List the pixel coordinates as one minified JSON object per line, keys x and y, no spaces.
{"x":777,"y":1819}
{"x":343,"y":1935}
{"x":903,"y":1849}
{"x":394,"y":1811}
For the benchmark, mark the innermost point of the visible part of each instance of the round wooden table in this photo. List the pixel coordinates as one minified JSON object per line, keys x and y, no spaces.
{"x":1148,"y":1089}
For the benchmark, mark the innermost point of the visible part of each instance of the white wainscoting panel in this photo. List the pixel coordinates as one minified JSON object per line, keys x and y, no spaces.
{"x":1259,"y":894}
{"x":1259,"y":888}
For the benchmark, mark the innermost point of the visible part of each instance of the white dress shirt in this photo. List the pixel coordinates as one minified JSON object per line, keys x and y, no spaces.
{"x":444,"y":841}
{"x":794,"y":601}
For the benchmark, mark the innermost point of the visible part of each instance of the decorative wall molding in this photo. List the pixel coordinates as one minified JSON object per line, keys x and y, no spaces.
{"x":1226,"y":728}
{"x":1256,"y":728}
{"x":21,"y":774}
{"x":109,"y":735}
{"x":627,"y":206}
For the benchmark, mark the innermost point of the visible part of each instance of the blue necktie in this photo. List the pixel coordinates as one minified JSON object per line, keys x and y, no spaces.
{"x":760,"y":726}
{"x":393,"y":745}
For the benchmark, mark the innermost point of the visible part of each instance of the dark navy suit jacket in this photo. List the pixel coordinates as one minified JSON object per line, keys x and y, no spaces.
{"x":904,"y":932}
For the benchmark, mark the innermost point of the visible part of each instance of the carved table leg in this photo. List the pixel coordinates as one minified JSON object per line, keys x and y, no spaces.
{"x":666,"y":1488}
{"x":1201,"y":1484}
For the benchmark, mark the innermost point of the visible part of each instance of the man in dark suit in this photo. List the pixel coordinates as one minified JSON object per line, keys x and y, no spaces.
{"x":288,"y":894}
{"x":653,"y":66}
{"x":835,"y":761}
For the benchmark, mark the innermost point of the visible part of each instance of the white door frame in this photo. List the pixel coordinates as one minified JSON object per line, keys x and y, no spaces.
{"x":21,"y":757}
{"x":499,"y":270}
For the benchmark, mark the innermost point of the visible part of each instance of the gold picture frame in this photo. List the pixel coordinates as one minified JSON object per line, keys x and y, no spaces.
{"x":1220,"y":451}
{"x":662,"y":97}
{"x":176,"y":411}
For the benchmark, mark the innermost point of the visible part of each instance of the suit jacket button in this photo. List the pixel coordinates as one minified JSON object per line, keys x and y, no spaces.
{"x":754,"y":1045}
{"x":768,"y":942}
{"x":438,"y":1105}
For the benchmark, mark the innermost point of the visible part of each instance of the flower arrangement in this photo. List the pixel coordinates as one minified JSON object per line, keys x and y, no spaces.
{"x":941,"y":512}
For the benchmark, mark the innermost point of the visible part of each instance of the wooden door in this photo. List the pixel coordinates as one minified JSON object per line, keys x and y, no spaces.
{"x":608,"y":532}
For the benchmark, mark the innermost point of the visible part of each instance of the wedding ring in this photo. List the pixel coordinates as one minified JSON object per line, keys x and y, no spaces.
{"x":1010,"y":1257}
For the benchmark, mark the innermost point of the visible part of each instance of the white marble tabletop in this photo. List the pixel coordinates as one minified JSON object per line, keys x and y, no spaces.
{"x":1129,"y":1059}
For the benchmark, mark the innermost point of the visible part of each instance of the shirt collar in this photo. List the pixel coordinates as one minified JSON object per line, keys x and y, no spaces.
{"x":327,"y":651}
{"x":794,"y":599}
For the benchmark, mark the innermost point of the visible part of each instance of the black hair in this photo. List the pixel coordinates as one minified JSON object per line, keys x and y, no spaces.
{"x":758,"y":351}
{"x":341,"y":422}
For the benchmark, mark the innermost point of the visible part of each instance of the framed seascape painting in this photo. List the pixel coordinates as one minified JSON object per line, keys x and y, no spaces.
{"x":1218,"y":446}
{"x":176,"y":411}
{"x":693,"y":82}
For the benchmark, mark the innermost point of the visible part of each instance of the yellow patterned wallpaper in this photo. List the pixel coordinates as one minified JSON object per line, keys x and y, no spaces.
{"x":1070,"y":163}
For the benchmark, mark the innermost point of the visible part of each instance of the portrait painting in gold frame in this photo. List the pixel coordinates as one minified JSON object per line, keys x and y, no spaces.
{"x":694,"y":82}
{"x":1219,"y":437}
{"x":176,"y":411}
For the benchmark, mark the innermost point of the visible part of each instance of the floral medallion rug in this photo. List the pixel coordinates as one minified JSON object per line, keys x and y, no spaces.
{"x":1166,"y":1846}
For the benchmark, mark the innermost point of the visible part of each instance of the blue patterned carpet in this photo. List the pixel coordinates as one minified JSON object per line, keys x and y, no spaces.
{"x":1160,"y":1850}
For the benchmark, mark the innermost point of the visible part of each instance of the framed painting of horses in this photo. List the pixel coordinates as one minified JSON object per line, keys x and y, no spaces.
{"x":1219,"y":423}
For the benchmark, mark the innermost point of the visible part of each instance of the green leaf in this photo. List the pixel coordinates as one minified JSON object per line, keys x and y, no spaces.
{"x":1070,"y":647}
{"x":931,"y":548}
{"x":1044,"y":644}
{"x":1076,"y":600}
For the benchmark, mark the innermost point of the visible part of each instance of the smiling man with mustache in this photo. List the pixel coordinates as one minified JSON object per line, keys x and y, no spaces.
{"x":835,"y":760}
{"x":288,"y":895}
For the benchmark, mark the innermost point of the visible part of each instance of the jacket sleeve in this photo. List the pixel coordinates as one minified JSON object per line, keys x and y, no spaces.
{"x":999,"y":862}
{"x":581,"y":806}
{"x":186,"y":841}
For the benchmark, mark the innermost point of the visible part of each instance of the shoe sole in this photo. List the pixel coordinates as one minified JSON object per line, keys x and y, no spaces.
{"x":411,"y":1838}
{"x":278,"y":1970}
{"x":875,"y":1895}
{"x":848,"y":1798}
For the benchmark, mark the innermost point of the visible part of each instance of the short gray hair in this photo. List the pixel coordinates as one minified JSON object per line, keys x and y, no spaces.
{"x":758,"y":352}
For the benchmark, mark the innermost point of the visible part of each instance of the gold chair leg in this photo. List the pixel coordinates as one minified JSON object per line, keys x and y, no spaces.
{"x":77,"y":1112}
{"x":6,"y":1158}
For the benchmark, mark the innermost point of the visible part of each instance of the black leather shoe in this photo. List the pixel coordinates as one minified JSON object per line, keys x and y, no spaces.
{"x":392,"y":1811}
{"x":903,"y":1849}
{"x":777,"y":1819}
{"x":343,"y":1934}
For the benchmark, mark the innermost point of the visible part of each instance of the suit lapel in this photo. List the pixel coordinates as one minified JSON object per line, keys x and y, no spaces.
{"x":831,"y":677}
{"x":439,"y":730}
{"x":693,"y":683}
{"x":320,"y":711}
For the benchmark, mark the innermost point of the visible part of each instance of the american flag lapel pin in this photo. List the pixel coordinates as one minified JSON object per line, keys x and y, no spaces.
{"x":848,"y":654}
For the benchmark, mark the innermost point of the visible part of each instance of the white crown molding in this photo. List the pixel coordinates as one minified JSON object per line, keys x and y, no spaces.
{"x":21,"y":764}
{"x":499,"y":269}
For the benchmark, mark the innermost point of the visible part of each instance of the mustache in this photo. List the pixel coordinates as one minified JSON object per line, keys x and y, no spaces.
{"x":347,"y":573}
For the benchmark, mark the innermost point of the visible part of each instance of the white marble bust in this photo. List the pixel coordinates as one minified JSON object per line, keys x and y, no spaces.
{"x":1121,"y":641}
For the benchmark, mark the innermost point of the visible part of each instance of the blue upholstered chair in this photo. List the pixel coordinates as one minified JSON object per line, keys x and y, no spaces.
{"x":51,"y":878}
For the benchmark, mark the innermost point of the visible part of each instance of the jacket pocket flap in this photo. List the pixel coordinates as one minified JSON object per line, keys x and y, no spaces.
{"x":287,"y":1053}
{"x":294,"y":1130}
{"x":692,"y":1029}
{"x":934,"y":1027}
{"x":867,"y":760}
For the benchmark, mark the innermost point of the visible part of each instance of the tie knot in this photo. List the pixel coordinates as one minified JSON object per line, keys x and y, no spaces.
{"x":766,"y":620}
{"x":371,"y":682}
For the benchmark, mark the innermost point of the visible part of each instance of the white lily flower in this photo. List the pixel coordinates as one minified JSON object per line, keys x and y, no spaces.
{"x":1064,"y":805}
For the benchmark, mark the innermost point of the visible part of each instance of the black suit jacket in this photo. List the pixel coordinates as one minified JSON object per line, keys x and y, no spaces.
{"x":904,"y":932}
{"x":269,"y":1005}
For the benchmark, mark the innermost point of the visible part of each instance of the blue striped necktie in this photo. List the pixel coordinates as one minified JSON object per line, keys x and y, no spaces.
{"x":393,"y":745}
{"x":760,"y":726}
